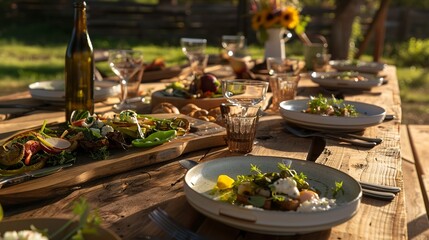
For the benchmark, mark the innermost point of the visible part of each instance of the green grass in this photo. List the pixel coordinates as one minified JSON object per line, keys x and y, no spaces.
{"x":414,"y":84}
{"x":22,"y":63}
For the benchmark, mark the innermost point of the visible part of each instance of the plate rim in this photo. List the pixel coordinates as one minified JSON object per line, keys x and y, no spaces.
{"x":318,"y":127}
{"x":331,"y":82}
{"x":348,"y":66}
{"x":322,"y":121}
{"x":193,"y":196}
{"x":100,"y":93}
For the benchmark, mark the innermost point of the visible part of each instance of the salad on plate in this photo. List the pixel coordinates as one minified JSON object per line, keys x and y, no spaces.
{"x":285,"y":190}
{"x":330,"y":107}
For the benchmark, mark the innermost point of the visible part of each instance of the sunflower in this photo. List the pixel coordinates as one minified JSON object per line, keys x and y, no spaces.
{"x":289,"y":17}
{"x":272,"y":18}
{"x":258,"y":19}
{"x":268,"y":14}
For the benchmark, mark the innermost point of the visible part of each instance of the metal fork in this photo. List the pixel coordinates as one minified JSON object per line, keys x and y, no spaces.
{"x":161,"y":218}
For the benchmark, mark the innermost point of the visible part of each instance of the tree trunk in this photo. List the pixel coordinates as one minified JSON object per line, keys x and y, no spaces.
{"x":345,"y":13}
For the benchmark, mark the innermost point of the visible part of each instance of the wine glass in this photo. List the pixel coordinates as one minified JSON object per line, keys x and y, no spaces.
{"x":192,"y":46}
{"x":244,"y":92}
{"x":194,"y":49}
{"x":125,"y":64}
{"x":198,"y":62}
{"x":233,"y":43}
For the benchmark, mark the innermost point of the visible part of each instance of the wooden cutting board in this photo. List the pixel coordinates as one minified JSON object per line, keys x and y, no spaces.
{"x":203,"y":135}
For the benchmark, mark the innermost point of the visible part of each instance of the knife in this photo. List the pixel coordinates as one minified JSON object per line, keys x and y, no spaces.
{"x":378,"y":194}
{"x":378,"y":187}
{"x":15,"y":179}
{"x":317,"y":146}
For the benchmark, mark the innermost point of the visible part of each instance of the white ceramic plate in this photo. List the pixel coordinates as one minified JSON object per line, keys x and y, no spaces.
{"x":346,"y":80}
{"x":369,"y":115}
{"x":54,"y":90}
{"x":201,"y":179}
{"x":53,"y":224}
{"x":360,"y":66}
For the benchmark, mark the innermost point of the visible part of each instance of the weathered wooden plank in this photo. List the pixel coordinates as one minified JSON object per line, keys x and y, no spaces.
{"x":125,"y":200}
{"x":419,"y":135}
{"x":84,"y":170}
{"x":417,"y":219}
{"x":379,"y":165}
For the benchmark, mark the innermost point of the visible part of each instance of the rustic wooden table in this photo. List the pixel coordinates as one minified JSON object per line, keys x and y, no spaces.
{"x":125,"y":199}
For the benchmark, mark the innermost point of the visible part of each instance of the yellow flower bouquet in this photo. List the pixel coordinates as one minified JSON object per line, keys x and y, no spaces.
{"x":268,"y":14}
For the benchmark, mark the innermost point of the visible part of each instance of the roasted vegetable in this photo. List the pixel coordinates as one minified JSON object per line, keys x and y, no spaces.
{"x":95,"y":135}
{"x":10,"y":155}
{"x":155,"y":139}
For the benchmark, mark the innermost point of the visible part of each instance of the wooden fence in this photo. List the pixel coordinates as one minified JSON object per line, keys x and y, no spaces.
{"x":403,"y":23}
{"x":167,"y":23}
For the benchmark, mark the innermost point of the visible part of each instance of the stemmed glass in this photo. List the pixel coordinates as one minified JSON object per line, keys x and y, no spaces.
{"x":125,"y":64}
{"x":198,"y":63}
{"x":233,"y":43}
{"x":194,"y":49}
{"x":244,"y":92}
{"x":191,"y":46}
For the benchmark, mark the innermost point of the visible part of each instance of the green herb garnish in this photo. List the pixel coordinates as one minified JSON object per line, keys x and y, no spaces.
{"x":338,"y":189}
{"x":330,"y":107}
{"x":88,"y":221}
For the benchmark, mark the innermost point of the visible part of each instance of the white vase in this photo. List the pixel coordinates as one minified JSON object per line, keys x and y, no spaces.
{"x":275,"y":43}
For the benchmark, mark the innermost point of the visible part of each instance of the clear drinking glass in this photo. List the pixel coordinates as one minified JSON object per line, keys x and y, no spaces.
{"x":241,"y":114}
{"x":284,"y":87}
{"x":125,"y":64}
{"x":279,"y":66}
{"x":244,"y":92}
{"x":240,"y":126}
{"x":191,"y":46}
{"x":233,"y":43}
{"x":198,"y":62}
{"x":321,"y":62}
{"x":194,"y":49}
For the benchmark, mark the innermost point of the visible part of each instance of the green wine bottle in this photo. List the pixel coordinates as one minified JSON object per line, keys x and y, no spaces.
{"x":79,"y":66}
